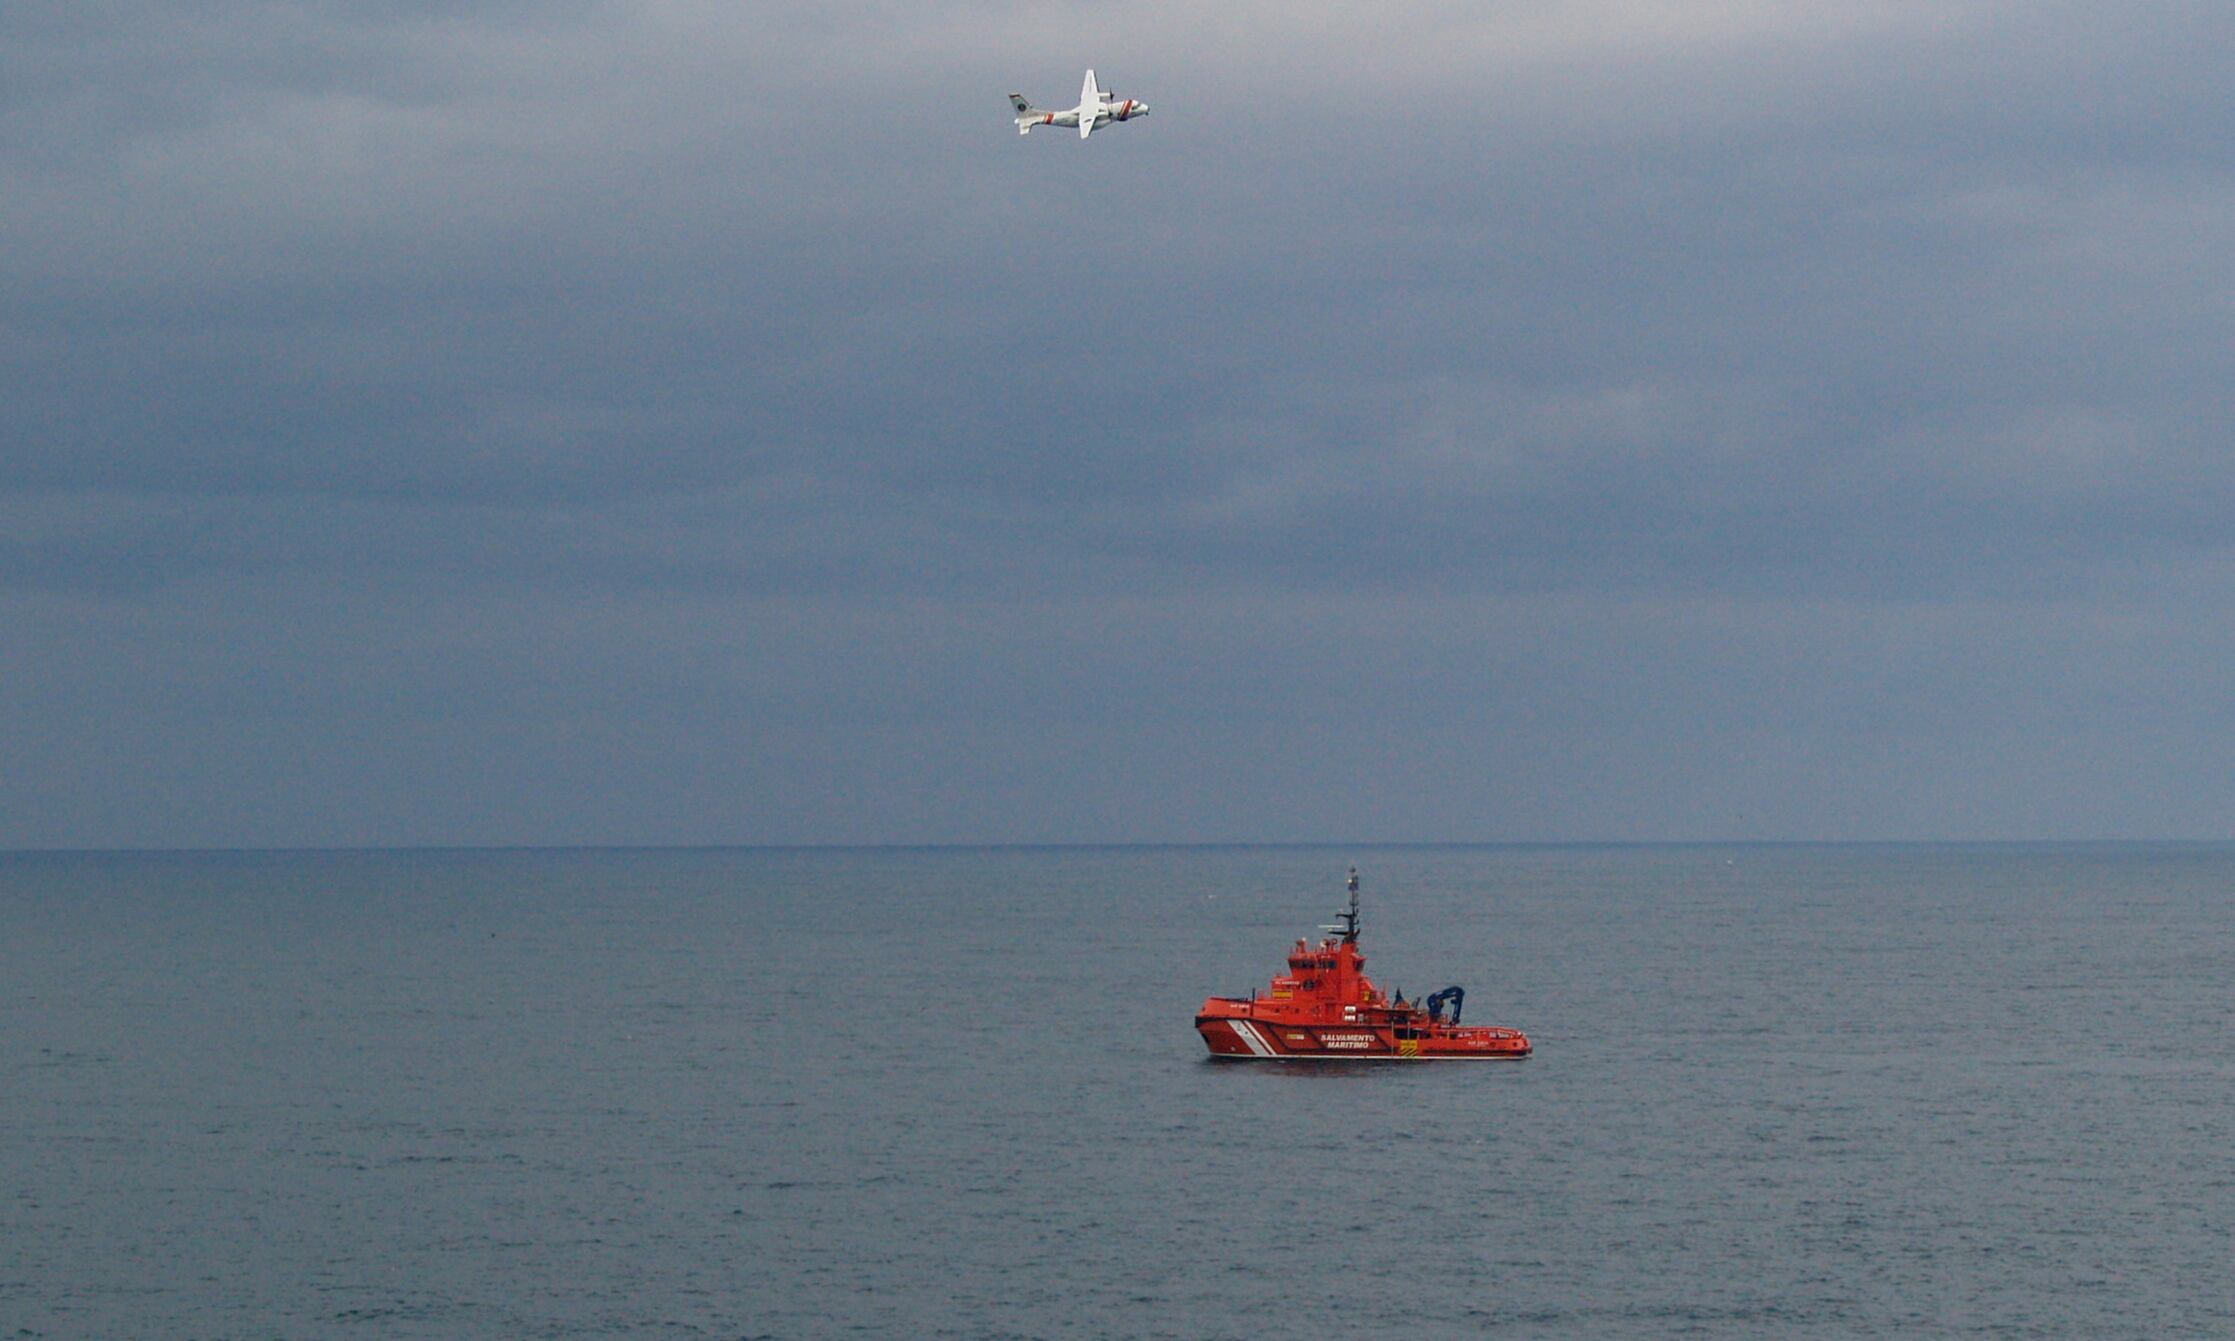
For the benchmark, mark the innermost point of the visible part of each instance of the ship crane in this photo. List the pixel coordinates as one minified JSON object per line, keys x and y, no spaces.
{"x":1454,"y":996}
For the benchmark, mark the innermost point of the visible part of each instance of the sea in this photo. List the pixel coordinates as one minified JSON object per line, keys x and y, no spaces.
{"x":1821,"y":1091}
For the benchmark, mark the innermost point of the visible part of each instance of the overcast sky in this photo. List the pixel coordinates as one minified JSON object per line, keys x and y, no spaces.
{"x":667,"y":422}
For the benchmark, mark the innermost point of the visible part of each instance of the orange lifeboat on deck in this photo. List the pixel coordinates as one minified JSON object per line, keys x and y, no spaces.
{"x":1325,"y":1008}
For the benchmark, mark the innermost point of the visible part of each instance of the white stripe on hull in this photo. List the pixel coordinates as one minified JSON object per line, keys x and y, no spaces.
{"x":1255,"y":1041}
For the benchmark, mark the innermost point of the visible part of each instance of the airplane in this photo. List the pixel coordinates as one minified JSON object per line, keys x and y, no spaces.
{"x":1095,"y":108}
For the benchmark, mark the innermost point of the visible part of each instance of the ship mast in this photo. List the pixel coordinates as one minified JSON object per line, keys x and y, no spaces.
{"x":1348,"y":923}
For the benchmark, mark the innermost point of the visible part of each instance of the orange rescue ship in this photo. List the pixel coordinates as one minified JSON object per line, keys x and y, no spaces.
{"x":1325,"y":1008}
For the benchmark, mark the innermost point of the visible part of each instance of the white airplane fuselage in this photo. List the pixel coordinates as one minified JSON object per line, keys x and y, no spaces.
{"x":1096,"y":109}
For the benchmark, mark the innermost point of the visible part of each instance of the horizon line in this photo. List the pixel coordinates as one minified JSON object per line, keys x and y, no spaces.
{"x":1093,"y":845}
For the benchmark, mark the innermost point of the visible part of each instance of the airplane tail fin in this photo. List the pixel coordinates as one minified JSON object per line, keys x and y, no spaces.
{"x":1028,"y":116}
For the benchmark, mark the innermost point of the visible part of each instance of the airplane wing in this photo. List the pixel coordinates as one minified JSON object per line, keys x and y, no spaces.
{"x":1090,"y":105}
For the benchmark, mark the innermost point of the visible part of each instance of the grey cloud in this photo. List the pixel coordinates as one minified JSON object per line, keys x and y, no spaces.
{"x":558,"y":319}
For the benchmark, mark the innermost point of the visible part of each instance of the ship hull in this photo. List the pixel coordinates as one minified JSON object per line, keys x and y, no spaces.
{"x":1240,"y":1039}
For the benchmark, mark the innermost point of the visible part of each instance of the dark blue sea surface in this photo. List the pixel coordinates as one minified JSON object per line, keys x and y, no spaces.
{"x":1813,"y":1091}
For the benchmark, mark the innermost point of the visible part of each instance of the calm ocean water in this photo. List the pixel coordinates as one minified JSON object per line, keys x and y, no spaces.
{"x":1820,"y":1091}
